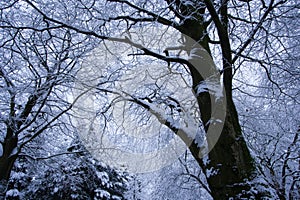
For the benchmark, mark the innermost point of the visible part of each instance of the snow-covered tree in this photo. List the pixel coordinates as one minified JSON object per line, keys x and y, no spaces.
{"x":72,"y":174}
{"x":219,"y":42}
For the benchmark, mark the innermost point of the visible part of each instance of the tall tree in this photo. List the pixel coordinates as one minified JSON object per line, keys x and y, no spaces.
{"x":37,"y":67}
{"x":234,"y":25}
{"x":71,"y":174}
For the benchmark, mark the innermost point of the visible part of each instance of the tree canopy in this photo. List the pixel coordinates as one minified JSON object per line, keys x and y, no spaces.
{"x":206,"y":88}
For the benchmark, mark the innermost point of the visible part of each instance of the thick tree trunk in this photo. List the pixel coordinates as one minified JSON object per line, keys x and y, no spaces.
{"x":230,"y":167}
{"x":7,"y":160}
{"x":231,"y":160}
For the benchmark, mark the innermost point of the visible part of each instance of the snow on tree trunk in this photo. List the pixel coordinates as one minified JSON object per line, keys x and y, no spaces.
{"x":231,"y":168}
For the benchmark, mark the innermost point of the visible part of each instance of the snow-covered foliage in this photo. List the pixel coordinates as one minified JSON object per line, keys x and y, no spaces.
{"x":69,"y":176}
{"x":145,"y":94}
{"x":12,"y":194}
{"x":268,"y":104}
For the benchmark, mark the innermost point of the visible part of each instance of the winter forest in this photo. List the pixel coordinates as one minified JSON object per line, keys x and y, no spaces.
{"x":150,"y":99}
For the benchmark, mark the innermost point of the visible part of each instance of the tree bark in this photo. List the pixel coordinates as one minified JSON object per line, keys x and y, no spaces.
{"x":7,"y":160}
{"x":229,"y":159}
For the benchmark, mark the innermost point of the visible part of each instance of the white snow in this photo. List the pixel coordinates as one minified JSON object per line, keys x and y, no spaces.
{"x":18,"y":175}
{"x":118,"y":184}
{"x":102,"y":193}
{"x":14,"y":151}
{"x":187,"y":123}
{"x":199,"y":140}
{"x":13,"y":193}
{"x":55,"y":190}
{"x":103,"y":176}
{"x":114,"y":197}
{"x":188,"y":3}
{"x":201,"y":88}
{"x":211,"y":85}
{"x":194,"y":53}
{"x":211,"y":172}
{"x":213,"y":121}
{"x":206,"y":160}
{"x":74,"y":196}
{"x":158,"y":112}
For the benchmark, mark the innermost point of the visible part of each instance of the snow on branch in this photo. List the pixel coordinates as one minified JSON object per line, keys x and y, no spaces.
{"x":187,"y":128}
